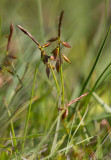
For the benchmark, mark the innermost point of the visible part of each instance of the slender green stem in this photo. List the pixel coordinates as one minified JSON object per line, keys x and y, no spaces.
{"x":40,"y":19}
{"x":62,"y":83}
{"x":29,"y":109}
{"x":95,"y":63}
{"x":12,"y":127}
{"x":56,"y":83}
{"x":56,"y":132}
{"x":61,"y":103}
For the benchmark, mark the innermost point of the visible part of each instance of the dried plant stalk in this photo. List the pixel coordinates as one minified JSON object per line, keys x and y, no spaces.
{"x":10,"y":36}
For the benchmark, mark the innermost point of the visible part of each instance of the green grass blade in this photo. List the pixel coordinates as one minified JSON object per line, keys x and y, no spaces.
{"x":36,"y":150}
{"x":29,"y":109}
{"x":106,"y":107}
{"x":95,"y":63}
{"x":40,"y":19}
{"x":97,"y":82}
{"x":54,"y":77}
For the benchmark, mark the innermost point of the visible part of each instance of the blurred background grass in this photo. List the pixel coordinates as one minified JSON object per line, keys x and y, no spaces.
{"x":84,"y":27}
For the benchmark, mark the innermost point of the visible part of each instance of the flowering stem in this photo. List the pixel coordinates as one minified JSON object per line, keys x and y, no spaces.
{"x":56,"y":83}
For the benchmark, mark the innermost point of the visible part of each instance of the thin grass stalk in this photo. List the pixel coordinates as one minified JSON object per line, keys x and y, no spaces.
{"x":42,"y":36}
{"x":29,"y":108}
{"x":46,"y":136}
{"x":56,"y":132}
{"x":96,"y":61}
{"x":80,"y":123}
{"x":106,"y":11}
{"x":105,"y":106}
{"x":96,"y":83}
{"x":54,"y":77}
{"x":102,"y":142}
{"x":62,"y":84}
{"x":40,"y":19}
{"x":12,"y":126}
{"x":27,"y":137}
{"x":58,"y":121}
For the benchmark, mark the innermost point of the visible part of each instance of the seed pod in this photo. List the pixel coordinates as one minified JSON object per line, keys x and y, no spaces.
{"x":55,"y":52}
{"x":46,"y":45}
{"x":66,"y":44}
{"x":11,"y":56}
{"x":65,"y":114}
{"x":58,"y":66}
{"x":47,"y":70}
{"x":65,"y":58}
{"x":52,"y":39}
{"x":44,"y":57}
{"x":10,"y":71}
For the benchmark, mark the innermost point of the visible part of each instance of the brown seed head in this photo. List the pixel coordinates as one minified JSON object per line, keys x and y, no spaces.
{"x":44,"y":57}
{"x":60,"y":21}
{"x":11,"y":56}
{"x":52,"y":39}
{"x":10,"y":71}
{"x":66,"y":44}
{"x":55,"y":52}
{"x":65,"y":58}
{"x":65,"y":114}
{"x":10,"y":36}
{"x":47,"y":70}
{"x":58,"y":66}
{"x":46,"y":45}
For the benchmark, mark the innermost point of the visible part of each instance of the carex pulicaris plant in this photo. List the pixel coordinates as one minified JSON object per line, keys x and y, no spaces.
{"x":57,"y":57}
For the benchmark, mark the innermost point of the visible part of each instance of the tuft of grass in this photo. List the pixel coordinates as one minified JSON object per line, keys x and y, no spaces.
{"x":55,"y":105}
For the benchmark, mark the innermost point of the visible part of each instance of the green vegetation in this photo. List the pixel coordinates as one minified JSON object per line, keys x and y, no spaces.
{"x":55,"y":97}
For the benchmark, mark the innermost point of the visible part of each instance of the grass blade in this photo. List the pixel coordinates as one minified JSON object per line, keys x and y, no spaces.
{"x":96,"y":61}
{"x":29,"y":109}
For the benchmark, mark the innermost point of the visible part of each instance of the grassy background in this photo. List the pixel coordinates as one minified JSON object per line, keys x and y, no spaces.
{"x":84,"y":27}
